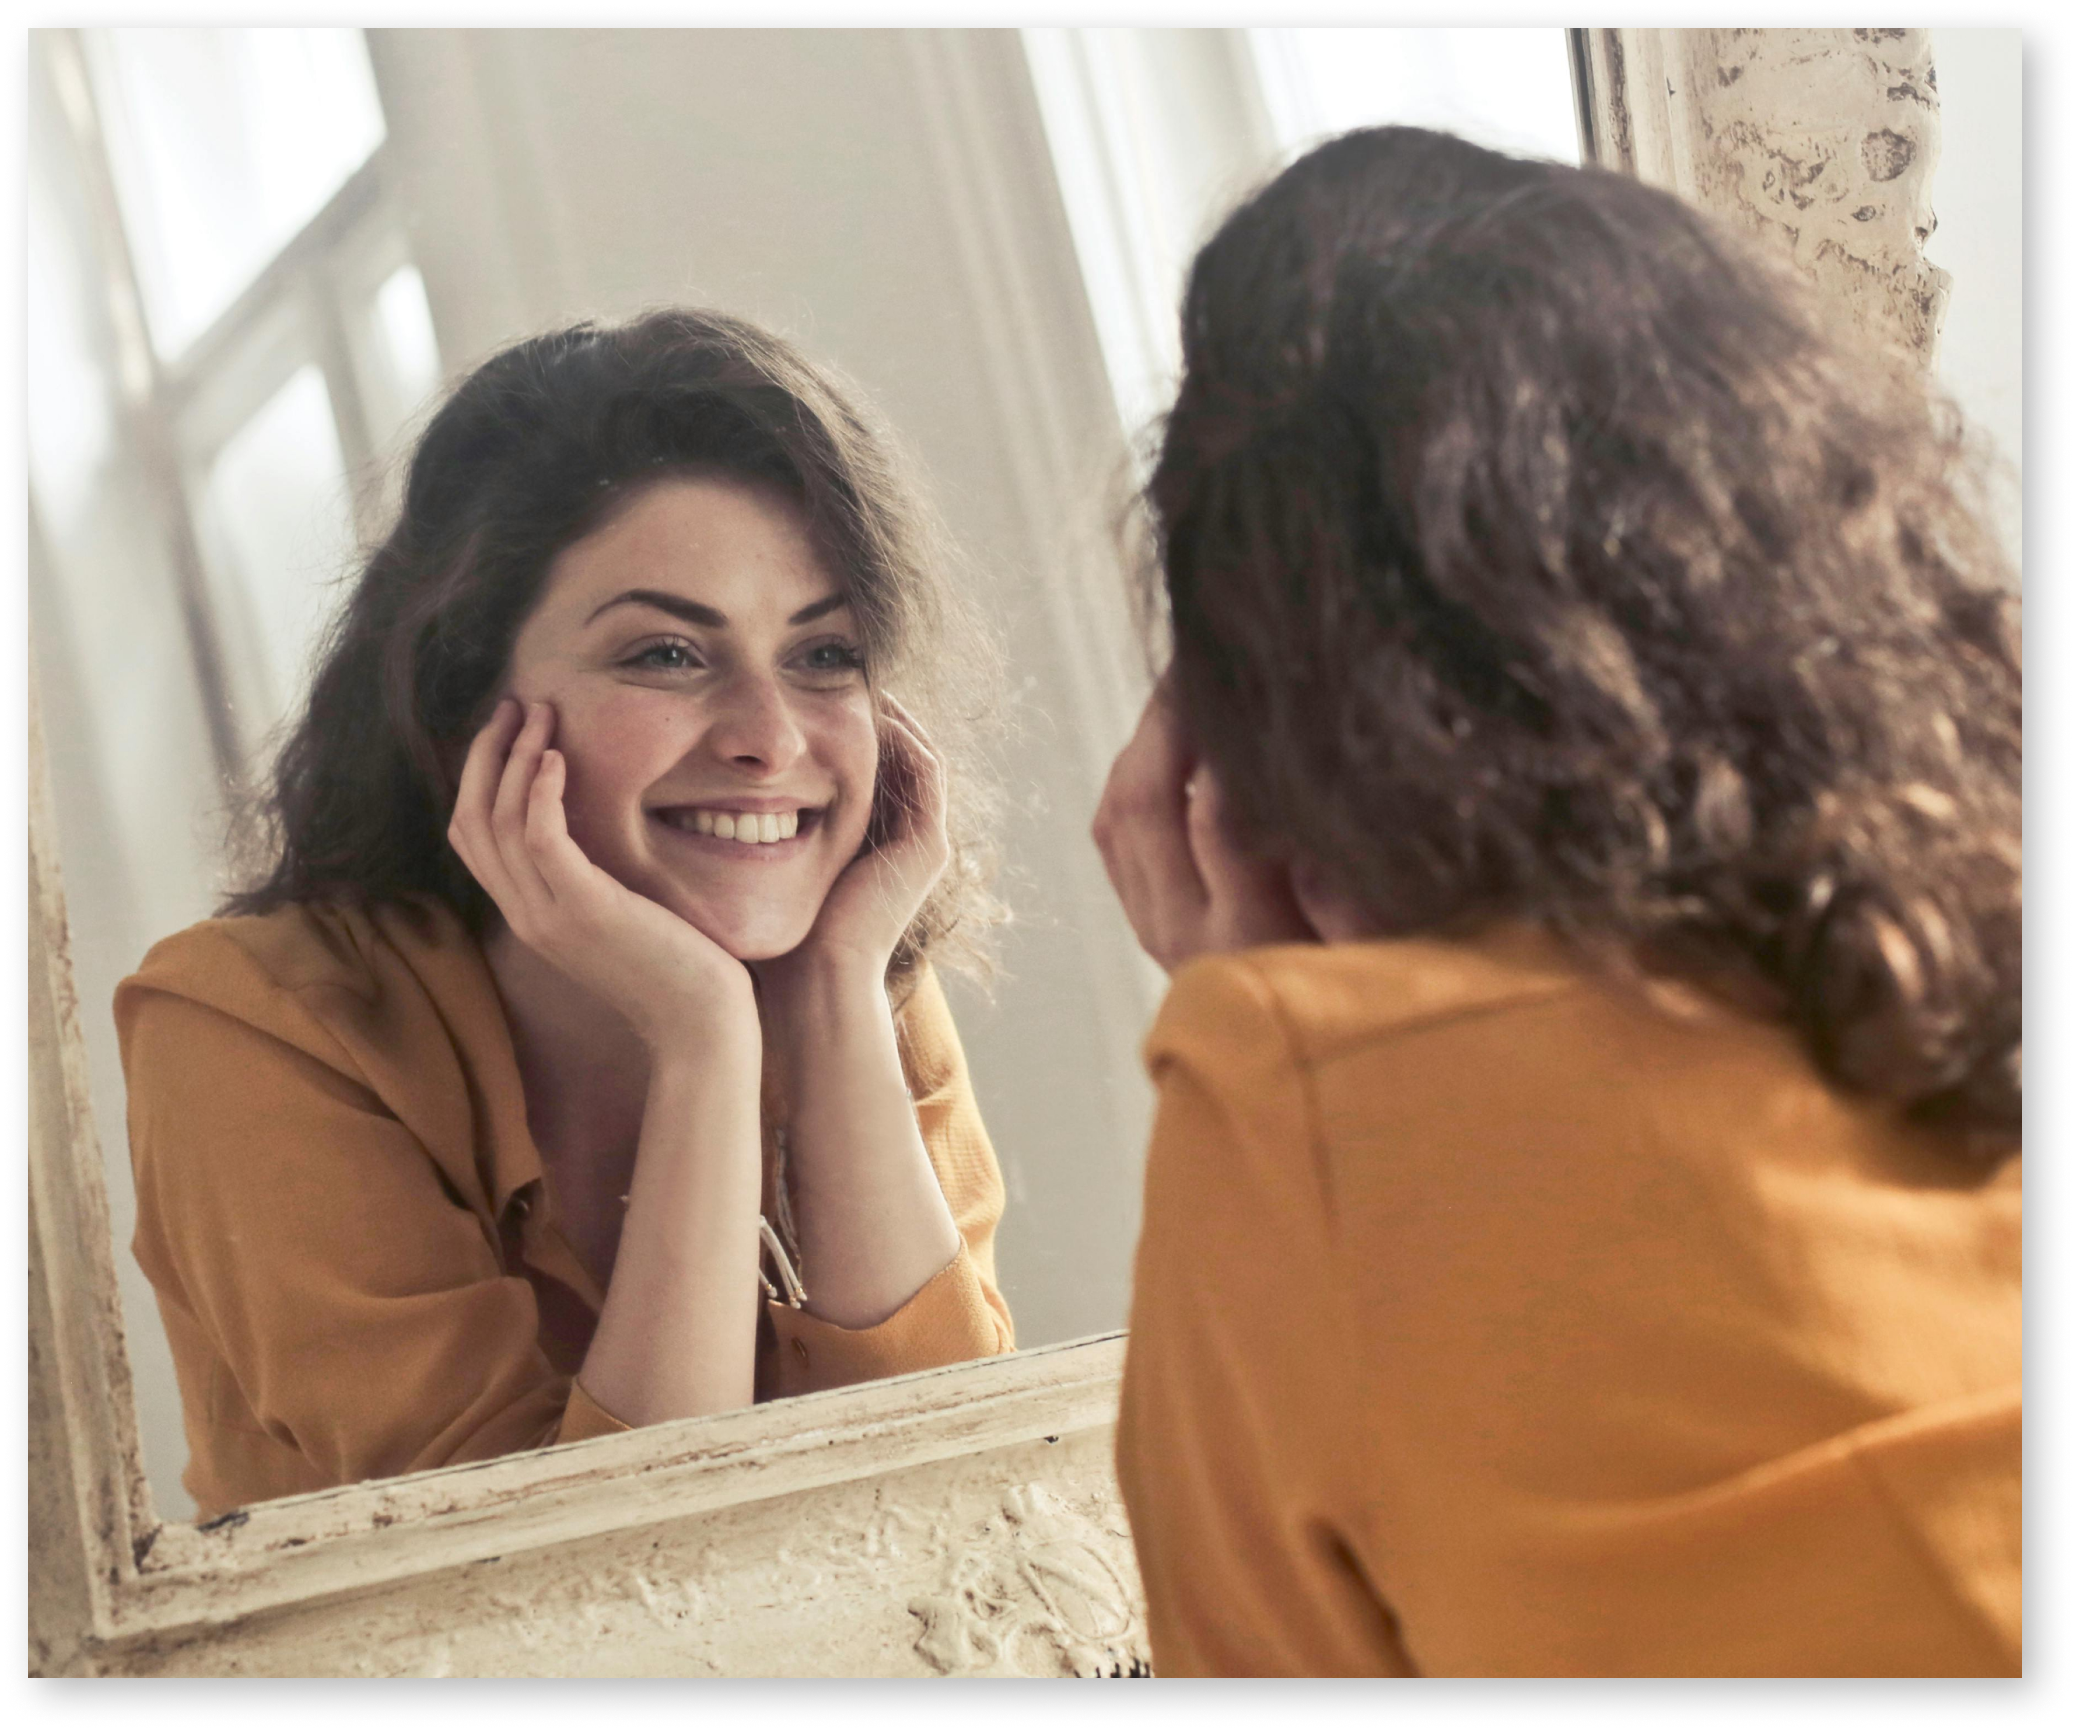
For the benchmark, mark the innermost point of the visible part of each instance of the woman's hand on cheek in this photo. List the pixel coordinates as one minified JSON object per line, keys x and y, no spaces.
{"x":668,"y":979}
{"x":1185,"y":886}
{"x":875,"y":899}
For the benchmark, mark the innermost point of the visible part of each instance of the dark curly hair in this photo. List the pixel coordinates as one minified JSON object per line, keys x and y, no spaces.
{"x":529,"y":454}
{"x":1534,"y":549}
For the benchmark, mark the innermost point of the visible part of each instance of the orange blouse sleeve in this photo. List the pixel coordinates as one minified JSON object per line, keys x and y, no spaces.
{"x":332,"y":1292}
{"x":960,"y":1314}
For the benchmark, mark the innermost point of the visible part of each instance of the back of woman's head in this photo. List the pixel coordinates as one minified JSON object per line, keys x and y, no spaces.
{"x":1534,"y":550}
{"x":527,"y":455}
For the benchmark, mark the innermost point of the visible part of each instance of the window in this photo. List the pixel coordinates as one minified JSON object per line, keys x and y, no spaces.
{"x":1508,"y":89}
{"x":273,"y":335}
{"x":1156,"y":133}
{"x":223,"y":144}
{"x":229,"y":339}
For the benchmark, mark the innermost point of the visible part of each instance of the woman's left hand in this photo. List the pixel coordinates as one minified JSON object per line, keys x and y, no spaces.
{"x":875,"y":899}
{"x":1185,"y":886}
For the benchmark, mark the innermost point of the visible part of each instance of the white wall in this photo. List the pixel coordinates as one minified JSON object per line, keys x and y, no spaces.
{"x":882,"y":197}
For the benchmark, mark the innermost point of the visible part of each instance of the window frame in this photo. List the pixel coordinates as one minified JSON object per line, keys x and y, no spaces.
{"x":298,"y":308}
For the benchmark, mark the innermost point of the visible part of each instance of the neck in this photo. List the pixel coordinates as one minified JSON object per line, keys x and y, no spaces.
{"x":584,"y":1068}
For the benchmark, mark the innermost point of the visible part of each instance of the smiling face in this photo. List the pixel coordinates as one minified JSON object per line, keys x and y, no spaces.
{"x":710,"y":699}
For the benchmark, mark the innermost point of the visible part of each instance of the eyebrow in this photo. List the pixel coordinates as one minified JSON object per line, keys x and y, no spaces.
{"x":695,"y":613}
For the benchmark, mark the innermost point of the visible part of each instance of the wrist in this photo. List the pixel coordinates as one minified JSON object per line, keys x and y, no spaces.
{"x":719,"y":1023}
{"x":819,"y":974}
{"x":811,"y":1002}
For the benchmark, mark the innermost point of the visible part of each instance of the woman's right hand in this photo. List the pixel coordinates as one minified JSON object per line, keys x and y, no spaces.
{"x":1186,"y":886}
{"x":670,"y":980}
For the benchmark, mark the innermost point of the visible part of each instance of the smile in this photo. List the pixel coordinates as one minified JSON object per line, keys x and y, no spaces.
{"x":750,"y":828}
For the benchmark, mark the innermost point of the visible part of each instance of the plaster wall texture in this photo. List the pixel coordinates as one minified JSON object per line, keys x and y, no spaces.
{"x":1823,"y":141}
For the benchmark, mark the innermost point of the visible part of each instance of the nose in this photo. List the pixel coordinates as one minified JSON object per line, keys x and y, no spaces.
{"x":753,"y":728}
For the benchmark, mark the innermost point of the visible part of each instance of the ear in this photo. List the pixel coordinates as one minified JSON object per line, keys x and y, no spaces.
{"x":1330,"y":912}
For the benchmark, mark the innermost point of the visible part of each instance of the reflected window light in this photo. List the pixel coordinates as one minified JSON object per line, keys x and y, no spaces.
{"x":1508,"y":89}
{"x":409,"y":351}
{"x":282,"y":531}
{"x":70,"y":422}
{"x":223,"y":144}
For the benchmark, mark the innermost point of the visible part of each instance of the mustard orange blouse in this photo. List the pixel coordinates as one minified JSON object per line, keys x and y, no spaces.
{"x":348,"y":1228}
{"x":1489,"y":1320}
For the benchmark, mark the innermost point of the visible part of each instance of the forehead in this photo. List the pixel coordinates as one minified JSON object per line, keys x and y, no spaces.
{"x":740,"y":546}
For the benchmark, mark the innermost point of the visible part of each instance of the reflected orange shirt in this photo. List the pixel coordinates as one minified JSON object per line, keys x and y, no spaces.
{"x":1489,"y":1321}
{"x":348,"y":1228}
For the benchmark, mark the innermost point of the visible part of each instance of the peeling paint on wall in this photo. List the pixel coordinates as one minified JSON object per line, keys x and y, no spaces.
{"x":1822,"y":141}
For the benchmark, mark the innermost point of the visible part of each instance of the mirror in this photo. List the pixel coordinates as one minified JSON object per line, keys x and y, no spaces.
{"x":256,"y":256}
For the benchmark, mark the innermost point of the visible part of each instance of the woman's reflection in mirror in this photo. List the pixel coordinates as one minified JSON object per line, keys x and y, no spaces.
{"x":575,"y":1058}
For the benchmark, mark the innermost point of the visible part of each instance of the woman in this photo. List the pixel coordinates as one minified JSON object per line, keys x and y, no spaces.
{"x":577,"y":1064}
{"x":1581,"y":818}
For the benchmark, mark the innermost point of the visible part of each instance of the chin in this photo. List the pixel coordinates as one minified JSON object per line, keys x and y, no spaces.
{"x":767,"y":949}
{"x":750,"y":934}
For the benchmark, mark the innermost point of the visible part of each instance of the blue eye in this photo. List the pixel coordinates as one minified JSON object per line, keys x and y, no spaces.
{"x":670,"y":657}
{"x":834,"y":658}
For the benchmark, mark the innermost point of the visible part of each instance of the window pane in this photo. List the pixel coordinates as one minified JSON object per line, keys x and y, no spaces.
{"x":224,"y":143}
{"x":282,"y":525}
{"x":1508,"y":89}
{"x":408,"y":352}
{"x":70,"y":422}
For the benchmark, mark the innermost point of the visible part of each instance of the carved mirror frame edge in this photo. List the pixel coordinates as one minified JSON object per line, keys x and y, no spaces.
{"x":106,"y":1573}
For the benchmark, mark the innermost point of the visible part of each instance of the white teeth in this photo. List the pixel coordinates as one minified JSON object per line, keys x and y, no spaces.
{"x":759,"y":828}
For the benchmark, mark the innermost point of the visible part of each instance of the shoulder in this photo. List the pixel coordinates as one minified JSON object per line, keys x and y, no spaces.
{"x":297,"y":972}
{"x":1309,"y":1004}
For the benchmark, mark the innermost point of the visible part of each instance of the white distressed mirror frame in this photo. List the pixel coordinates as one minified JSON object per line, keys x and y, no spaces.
{"x":961,"y":1520}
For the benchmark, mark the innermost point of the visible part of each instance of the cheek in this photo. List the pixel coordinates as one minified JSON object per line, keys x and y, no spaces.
{"x":850,"y":747}
{"x":617,"y":744}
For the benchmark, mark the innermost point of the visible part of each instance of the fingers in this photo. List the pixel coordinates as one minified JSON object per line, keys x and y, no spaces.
{"x":564,"y":869}
{"x":1141,"y":828}
{"x":491,"y":810}
{"x":469,"y":828}
{"x":912,"y":780}
{"x":508,"y":817}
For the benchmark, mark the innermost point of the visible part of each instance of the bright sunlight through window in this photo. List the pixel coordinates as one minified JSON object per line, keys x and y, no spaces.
{"x":223,"y":143}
